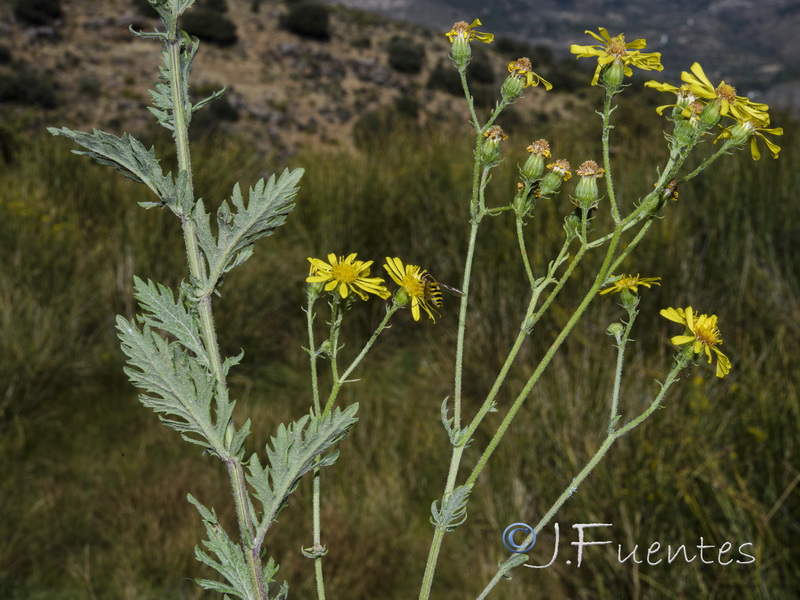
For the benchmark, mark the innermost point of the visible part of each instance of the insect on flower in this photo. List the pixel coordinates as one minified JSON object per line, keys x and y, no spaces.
{"x":433,"y":289}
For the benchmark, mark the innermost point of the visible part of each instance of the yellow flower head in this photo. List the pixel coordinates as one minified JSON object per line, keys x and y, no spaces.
{"x":522,"y":68}
{"x":701,"y":332}
{"x":745,"y":130}
{"x":615,"y":51}
{"x":466,"y":32}
{"x":412,"y":284}
{"x":724,"y":97}
{"x":630,"y":283}
{"x":685,"y":97}
{"x":348,"y":275}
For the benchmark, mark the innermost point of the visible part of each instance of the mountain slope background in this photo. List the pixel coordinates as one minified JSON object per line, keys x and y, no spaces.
{"x":749,"y":43}
{"x":287,"y":90}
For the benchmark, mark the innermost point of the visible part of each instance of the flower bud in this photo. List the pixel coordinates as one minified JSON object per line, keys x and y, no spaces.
{"x":572,"y":224}
{"x":460,"y":35}
{"x":615,"y":329}
{"x":512,"y":88}
{"x":460,"y":53}
{"x":612,"y":76}
{"x":710,"y":115}
{"x":401,"y":298}
{"x":534,"y":165}
{"x":525,"y":198}
{"x":741,"y":132}
{"x":490,"y":151}
{"x":628,"y":299}
{"x":586,"y":192}
{"x":559,"y":171}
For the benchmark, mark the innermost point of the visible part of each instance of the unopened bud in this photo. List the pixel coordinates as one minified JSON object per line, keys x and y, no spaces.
{"x":559,"y":171}
{"x":490,"y":152}
{"x":586,"y":192}
{"x":534,"y":165}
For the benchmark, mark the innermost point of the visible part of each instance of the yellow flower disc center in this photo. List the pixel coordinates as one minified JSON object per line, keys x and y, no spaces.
{"x":617,"y":47}
{"x":726,"y":92}
{"x":707,"y":334}
{"x":413,"y":286}
{"x":344,"y":273}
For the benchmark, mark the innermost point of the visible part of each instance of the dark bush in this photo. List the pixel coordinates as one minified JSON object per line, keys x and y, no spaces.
{"x":446,"y":78}
{"x":145,"y":9}
{"x":407,"y":105}
{"x":28,"y":87}
{"x":37,"y":12}
{"x":511,"y":49}
{"x":220,"y":6}
{"x":373,"y":127}
{"x":309,"y":19}
{"x":5,"y":54}
{"x":480,"y":67}
{"x":210,"y":26}
{"x":212,"y":117}
{"x":405,"y":55}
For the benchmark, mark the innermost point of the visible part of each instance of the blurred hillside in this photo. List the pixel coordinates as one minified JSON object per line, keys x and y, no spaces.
{"x":294,"y":76}
{"x":752,"y":44}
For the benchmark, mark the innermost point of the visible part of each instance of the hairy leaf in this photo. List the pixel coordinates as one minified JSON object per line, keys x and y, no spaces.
{"x":163,"y":311}
{"x":128,"y":156}
{"x":180,"y":389}
{"x":293,"y":453}
{"x":454,"y":509}
{"x":162,"y":96}
{"x":230,"y":561}
{"x":237,"y":230}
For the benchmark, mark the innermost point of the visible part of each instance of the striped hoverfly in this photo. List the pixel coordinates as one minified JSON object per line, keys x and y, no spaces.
{"x":433,"y":289}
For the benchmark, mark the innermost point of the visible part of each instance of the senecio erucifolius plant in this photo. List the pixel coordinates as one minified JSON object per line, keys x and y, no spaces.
{"x":171,"y":346}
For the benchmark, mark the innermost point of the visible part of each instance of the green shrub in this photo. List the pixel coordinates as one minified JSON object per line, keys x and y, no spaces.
{"x":210,"y":26}
{"x":308,"y":19}
{"x":37,"y":12}
{"x":405,"y":55}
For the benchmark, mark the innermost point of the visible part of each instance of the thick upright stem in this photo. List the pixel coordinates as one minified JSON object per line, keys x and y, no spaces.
{"x":205,"y":313}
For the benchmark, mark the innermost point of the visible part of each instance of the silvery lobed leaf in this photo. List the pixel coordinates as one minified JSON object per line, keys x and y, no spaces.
{"x":230,"y":561}
{"x":454,"y":509}
{"x":293,"y":452}
{"x":163,"y":311}
{"x":240,"y":225}
{"x":180,"y":389}
{"x":128,"y":156}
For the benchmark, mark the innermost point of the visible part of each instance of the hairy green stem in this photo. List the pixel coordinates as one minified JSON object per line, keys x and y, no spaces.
{"x":613,"y":435}
{"x":607,"y":127}
{"x":706,"y":162}
{"x":524,"y":253}
{"x":393,"y":308}
{"x":205,"y":313}
{"x":317,"y":529}
{"x":534,"y":378}
{"x":622,"y":342}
